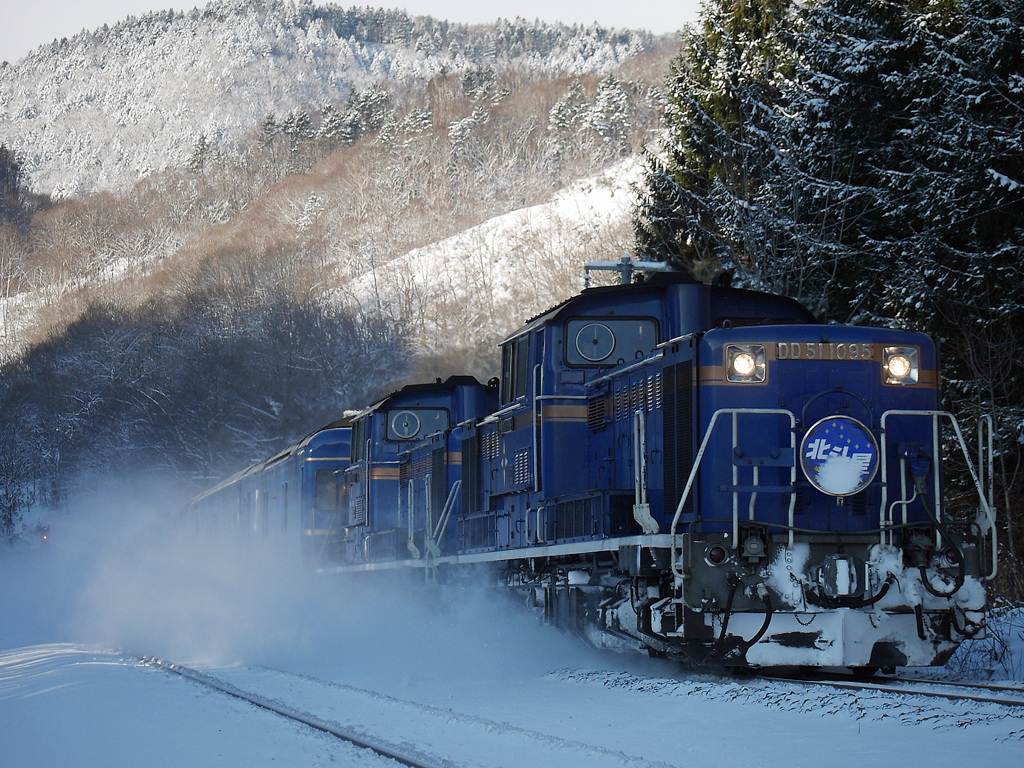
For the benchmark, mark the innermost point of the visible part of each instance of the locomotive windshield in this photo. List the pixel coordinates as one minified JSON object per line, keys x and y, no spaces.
{"x":413,"y":423}
{"x":596,"y":341}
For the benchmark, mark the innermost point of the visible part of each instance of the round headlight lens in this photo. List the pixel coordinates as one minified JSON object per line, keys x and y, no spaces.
{"x":744,"y":364}
{"x":899,"y":366}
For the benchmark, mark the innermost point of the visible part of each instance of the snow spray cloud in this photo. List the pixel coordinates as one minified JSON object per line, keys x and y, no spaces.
{"x":124,"y":571}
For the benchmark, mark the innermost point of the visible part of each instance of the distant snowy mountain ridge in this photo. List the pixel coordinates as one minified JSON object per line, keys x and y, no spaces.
{"x":105,"y":108}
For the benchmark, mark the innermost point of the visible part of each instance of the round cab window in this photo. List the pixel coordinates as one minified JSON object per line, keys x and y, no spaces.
{"x":595,"y":342}
{"x":405,"y":425}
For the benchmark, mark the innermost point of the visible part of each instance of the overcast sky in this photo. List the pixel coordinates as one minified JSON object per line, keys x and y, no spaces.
{"x":27,"y":25}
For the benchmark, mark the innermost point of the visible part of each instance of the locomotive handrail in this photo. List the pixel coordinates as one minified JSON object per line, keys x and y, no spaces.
{"x":669,"y":342}
{"x":656,"y":355}
{"x":538,"y":414}
{"x":985,"y":503}
{"x":411,"y":541}
{"x":986,"y":424}
{"x":735,"y":412}
{"x":442,"y":523}
{"x":641,"y":509}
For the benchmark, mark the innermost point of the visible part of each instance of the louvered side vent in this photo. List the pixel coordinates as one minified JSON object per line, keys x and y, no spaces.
{"x":359,"y":511}
{"x":521,"y":467}
{"x":597,"y":413}
{"x":655,"y":398}
{"x":489,"y":445}
{"x":678,"y":431}
{"x":410,"y":470}
{"x":619,"y":404}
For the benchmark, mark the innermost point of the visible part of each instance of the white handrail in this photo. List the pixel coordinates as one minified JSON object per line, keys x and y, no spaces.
{"x":700,"y":455}
{"x":442,"y":523}
{"x":986,"y":506}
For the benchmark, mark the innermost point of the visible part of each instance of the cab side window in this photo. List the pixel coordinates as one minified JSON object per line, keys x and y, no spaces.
{"x":358,"y":439}
{"x":515,"y":369}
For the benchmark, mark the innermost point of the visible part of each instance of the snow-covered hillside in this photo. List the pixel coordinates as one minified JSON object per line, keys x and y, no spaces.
{"x":478,"y":284}
{"x":486,"y":281}
{"x":102,"y":109}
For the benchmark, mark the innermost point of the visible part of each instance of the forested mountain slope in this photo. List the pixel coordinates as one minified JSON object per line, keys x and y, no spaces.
{"x":106,"y":108}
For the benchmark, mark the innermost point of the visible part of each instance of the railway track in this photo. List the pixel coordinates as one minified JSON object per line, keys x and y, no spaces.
{"x":387,"y":725}
{"x":401,"y":755}
{"x":1002,"y":695}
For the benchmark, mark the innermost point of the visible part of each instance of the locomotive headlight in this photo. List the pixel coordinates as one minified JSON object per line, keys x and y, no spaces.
{"x":744,"y":363}
{"x":901,"y":365}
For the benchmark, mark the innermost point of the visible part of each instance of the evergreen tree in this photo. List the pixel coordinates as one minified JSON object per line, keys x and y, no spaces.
{"x":200,"y":153}
{"x":332,"y":131}
{"x":373,"y":106}
{"x":900,"y":197}
{"x":17,"y":201}
{"x":865,"y":156}
{"x":567,"y":119}
{"x":298,"y":127}
{"x":833,"y":203}
{"x":699,"y":181}
{"x":11,"y":179}
{"x":270,"y":129}
{"x":610,"y":116}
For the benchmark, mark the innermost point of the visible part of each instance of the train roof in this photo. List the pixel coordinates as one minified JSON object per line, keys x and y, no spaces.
{"x":658,"y":282}
{"x":291,"y":450}
{"x":451,"y":383}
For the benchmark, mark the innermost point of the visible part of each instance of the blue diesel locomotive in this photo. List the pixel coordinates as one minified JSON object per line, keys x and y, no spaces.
{"x":697,"y":470}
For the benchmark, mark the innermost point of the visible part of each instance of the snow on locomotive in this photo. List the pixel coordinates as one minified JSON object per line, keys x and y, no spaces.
{"x":693,"y":469}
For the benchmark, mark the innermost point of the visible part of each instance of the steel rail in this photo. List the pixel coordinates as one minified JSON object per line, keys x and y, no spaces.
{"x":904,"y":690}
{"x":358,"y":739}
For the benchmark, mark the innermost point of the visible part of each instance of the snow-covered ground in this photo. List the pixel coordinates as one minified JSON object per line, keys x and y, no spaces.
{"x":479,"y":684}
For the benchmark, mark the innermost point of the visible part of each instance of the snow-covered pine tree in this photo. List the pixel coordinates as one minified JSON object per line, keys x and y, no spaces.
{"x":11,"y":183}
{"x":965,"y":245}
{"x":899,"y":195}
{"x":699,"y":182}
{"x":332,"y":130}
{"x":566,"y":121}
{"x":879,"y":176}
{"x":835,"y":195}
{"x":610,"y":116}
